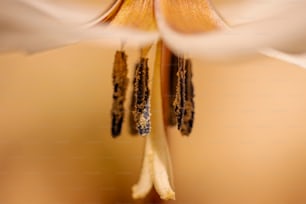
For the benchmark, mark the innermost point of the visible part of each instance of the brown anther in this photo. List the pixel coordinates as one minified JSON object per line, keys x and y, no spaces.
{"x":188,"y":117}
{"x":172,"y":83}
{"x":179,"y":102}
{"x":183,"y":103}
{"x":142,"y":98}
{"x":120,"y":82}
{"x":132,"y":124}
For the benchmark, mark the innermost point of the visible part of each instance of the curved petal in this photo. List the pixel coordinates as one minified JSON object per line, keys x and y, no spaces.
{"x":27,"y":27}
{"x":299,"y":60}
{"x":137,"y":14}
{"x":72,"y":13}
{"x":190,"y":16}
{"x":288,"y":33}
{"x":237,"y":12}
{"x":109,"y":14}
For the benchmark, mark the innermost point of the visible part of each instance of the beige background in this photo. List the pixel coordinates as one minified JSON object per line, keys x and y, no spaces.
{"x":248,"y":143}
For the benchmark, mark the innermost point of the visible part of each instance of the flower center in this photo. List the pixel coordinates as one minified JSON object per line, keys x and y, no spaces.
{"x":180,"y":109}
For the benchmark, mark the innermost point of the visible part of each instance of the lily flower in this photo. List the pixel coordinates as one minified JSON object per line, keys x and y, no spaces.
{"x":181,"y":29}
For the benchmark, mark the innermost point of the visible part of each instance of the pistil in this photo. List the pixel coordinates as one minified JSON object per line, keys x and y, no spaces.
{"x":156,"y":169}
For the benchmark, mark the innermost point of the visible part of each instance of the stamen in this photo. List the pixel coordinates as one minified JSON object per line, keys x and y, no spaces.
{"x":173,"y":69}
{"x":179,"y":102}
{"x":132,"y":123}
{"x":184,"y":103}
{"x":142,"y":98}
{"x":188,"y":118}
{"x":120,"y":82}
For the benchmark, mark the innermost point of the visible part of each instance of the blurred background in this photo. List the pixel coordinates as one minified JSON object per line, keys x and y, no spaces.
{"x":248,"y":144}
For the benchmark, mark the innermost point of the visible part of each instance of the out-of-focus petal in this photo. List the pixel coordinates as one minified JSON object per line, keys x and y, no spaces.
{"x":137,"y":14}
{"x":237,"y":12}
{"x":190,"y":16}
{"x":297,"y":59}
{"x":285,"y":31}
{"x":27,"y":27}
{"x":109,"y":14}
{"x":71,"y":13}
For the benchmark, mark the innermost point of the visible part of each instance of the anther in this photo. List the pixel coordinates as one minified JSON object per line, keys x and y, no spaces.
{"x":188,"y":117}
{"x":120,"y":82}
{"x":142,"y":98}
{"x":184,"y":103}
{"x":132,"y":124}
{"x":179,"y":102}
{"x":173,"y":69}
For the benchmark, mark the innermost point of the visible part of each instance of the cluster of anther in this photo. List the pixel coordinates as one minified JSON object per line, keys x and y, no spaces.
{"x":181,"y":90}
{"x":141,"y":96}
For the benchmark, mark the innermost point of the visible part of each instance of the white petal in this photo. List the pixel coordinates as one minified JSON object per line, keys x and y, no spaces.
{"x":299,"y":60}
{"x":28,"y":27}
{"x":73,"y":13}
{"x":245,"y":11}
{"x":76,"y":13}
{"x":286,"y":31}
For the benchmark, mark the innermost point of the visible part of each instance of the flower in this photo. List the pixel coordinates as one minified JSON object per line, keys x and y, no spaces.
{"x":39,"y":28}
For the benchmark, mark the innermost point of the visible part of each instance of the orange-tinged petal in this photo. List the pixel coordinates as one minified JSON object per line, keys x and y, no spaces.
{"x":288,"y":33}
{"x":189,"y":16}
{"x":136,"y":14}
{"x":109,"y":14}
{"x":29,"y":26}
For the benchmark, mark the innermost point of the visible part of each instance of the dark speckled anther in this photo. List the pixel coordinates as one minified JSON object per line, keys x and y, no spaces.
{"x":142,"y":98}
{"x":120,"y":83}
{"x":183,"y":103}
